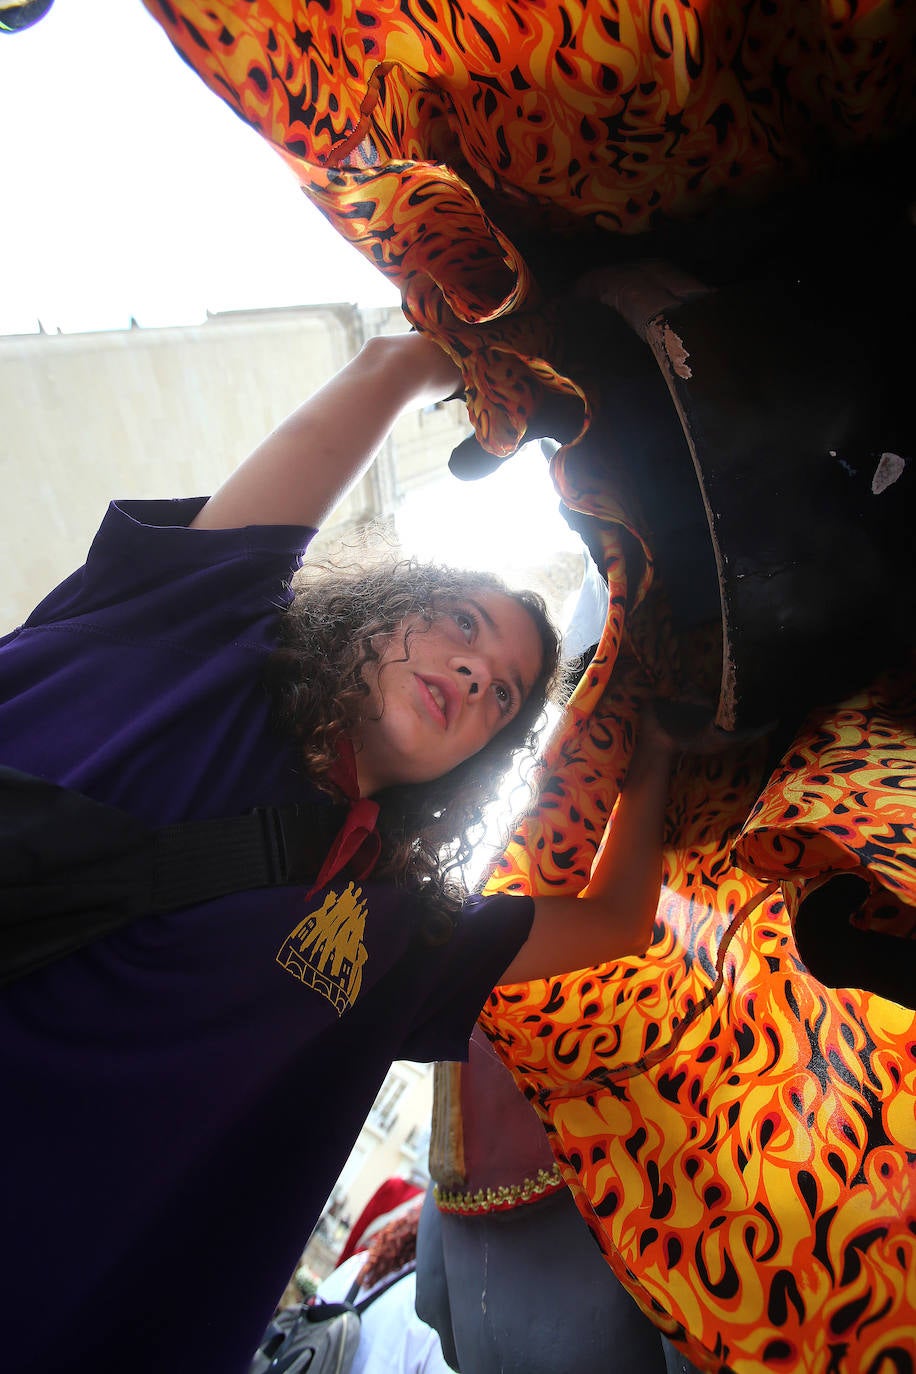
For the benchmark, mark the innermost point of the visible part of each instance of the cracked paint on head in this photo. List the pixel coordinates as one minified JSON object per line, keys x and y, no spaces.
{"x":676,"y":352}
{"x":890,"y":468}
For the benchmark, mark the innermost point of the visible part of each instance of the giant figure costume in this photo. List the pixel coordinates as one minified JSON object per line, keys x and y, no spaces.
{"x":739,"y":1136}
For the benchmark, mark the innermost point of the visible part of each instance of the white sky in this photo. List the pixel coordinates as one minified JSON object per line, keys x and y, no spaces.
{"x":127,"y":188}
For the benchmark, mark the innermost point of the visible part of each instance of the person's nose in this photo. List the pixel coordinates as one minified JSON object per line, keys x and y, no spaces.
{"x":474,"y":675}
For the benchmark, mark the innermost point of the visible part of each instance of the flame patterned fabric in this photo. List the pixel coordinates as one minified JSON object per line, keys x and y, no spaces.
{"x":412,"y":123}
{"x":740,"y":1139}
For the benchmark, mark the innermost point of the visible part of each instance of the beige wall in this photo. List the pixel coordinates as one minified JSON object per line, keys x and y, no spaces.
{"x":387,"y":1130}
{"x":392,"y":1143}
{"x":168,"y":412}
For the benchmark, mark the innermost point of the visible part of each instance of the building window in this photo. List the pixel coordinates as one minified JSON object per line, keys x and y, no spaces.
{"x":384,"y":1111}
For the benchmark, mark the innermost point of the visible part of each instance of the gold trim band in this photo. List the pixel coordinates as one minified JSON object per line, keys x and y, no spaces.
{"x":504,"y":1197}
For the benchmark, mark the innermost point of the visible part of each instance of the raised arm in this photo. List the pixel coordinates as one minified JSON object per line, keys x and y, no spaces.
{"x":309,"y":463}
{"x":614,"y":914}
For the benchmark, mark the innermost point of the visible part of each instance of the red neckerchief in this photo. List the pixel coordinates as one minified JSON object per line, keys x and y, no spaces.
{"x":357,"y":844}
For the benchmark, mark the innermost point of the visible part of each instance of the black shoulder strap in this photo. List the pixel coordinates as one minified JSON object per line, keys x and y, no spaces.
{"x":199,"y":860}
{"x":360,"y":1307}
{"x":318,"y":1310}
{"x":73,"y":869}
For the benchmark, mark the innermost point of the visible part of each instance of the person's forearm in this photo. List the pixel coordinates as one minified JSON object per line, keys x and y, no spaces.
{"x":308,"y":464}
{"x":613,"y":915}
{"x":627,"y":872}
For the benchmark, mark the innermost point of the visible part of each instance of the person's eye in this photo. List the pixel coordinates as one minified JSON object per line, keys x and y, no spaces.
{"x":503,"y":696}
{"x":466,"y":623}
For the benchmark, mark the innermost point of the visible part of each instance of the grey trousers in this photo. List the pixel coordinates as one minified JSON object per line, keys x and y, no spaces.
{"x":528,"y":1292}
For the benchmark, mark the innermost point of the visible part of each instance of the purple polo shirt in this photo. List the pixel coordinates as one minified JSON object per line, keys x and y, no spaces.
{"x":180,"y":1096}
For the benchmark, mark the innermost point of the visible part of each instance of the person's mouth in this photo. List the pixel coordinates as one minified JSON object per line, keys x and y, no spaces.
{"x":439,"y":697}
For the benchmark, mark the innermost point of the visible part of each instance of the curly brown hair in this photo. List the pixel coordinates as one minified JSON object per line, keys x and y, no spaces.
{"x":331,"y":631}
{"x":393,"y":1246}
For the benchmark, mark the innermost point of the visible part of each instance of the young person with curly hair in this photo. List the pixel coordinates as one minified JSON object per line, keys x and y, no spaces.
{"x":340,"y":630}
{"x":181,"y":1092}
{"x":393,"y":1339}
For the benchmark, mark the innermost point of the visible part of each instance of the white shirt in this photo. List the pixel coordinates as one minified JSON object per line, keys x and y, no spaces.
{"x":393,"y":1340}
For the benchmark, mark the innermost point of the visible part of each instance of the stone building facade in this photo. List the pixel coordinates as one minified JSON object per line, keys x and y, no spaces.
{"x":171,"y":412}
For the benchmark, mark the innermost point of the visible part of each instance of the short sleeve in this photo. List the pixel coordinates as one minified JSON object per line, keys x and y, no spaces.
{"x":146,"y":568}
{"x":489,"y":934}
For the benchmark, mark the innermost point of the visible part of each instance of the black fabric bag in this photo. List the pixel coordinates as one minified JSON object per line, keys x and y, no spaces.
{"x":73,"y":869}
{"x":321,"y":1337}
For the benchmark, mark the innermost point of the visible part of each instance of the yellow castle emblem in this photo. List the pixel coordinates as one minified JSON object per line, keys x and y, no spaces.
{"x":326,"y":950}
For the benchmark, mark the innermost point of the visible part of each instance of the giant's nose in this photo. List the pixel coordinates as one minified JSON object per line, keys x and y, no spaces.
{"x":474,"y":674}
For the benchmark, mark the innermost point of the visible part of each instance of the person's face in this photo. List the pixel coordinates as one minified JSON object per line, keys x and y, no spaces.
{"x":462,"y":679}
